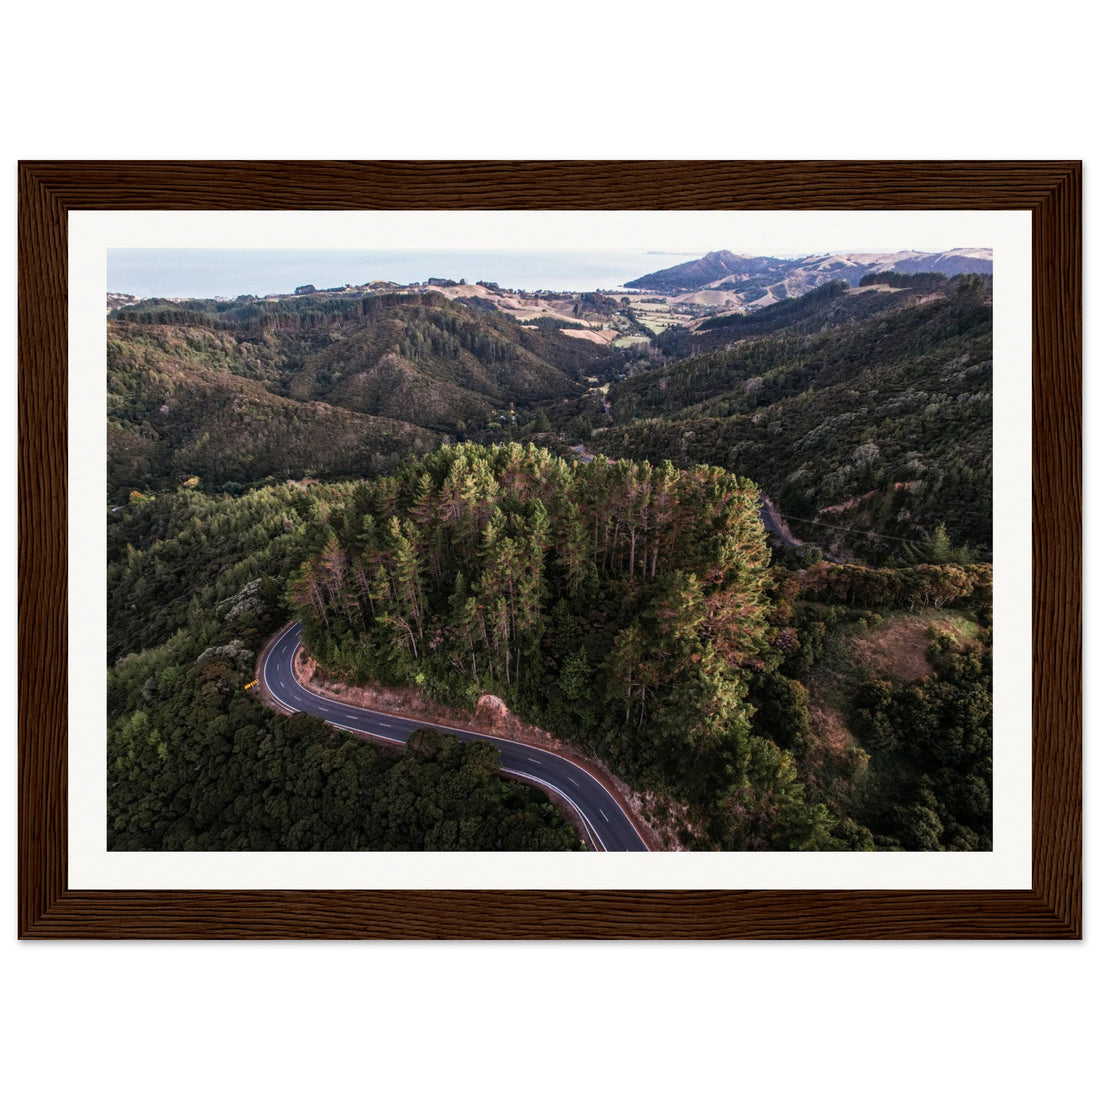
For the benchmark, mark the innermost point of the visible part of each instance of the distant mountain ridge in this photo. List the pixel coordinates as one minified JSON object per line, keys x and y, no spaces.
{"x":737,"y":281}
{"x":713,"y":267}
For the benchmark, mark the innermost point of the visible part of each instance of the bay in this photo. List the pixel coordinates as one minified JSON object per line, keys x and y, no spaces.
{"x":228,"y":273}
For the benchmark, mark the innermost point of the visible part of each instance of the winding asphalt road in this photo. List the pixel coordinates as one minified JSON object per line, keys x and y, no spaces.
{"x":773,"y":523}
{"x":607,"y":825}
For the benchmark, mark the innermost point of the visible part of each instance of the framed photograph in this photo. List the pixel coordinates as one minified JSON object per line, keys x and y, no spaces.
{"x":692,"y":389}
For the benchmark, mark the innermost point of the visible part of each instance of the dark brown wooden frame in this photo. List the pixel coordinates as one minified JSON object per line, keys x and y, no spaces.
{"x":1050,"y":190}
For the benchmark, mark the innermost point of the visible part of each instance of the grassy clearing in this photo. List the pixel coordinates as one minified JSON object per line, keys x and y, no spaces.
{"x":657,"y":318}
{"x":892,"y":649}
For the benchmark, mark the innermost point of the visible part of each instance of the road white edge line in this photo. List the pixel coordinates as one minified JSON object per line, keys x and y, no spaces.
{"x":452,"y":729}
{"x":593,"y":836}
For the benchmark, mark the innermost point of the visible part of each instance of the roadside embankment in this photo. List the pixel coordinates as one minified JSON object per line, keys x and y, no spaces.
{"x":491,"y":718}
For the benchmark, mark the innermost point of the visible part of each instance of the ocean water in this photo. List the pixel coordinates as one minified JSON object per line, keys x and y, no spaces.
{"x":227,"y":273}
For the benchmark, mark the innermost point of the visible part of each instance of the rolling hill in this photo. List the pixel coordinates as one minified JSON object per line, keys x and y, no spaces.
{"x":734,"y":281}
{"x":317,"y":385}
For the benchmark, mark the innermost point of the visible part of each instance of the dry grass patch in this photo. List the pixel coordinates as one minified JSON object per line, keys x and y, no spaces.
{"x":893,"y":649}
{"x":830,"y":729}
{"x":598,"y":337}
{"x":896,"y":649}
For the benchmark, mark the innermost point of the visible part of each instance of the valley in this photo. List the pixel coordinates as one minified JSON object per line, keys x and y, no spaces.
{"x":555,"y":498}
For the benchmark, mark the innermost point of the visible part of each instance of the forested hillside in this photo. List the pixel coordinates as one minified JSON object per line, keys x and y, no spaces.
{"x":233,"y":392}
{"x":622,"y":606}
{"x":172,"y":420}
{"x":879,"y":423}
{"x":625,"y":606}
{"x":628,"y":608}
{"x":196,"y":763}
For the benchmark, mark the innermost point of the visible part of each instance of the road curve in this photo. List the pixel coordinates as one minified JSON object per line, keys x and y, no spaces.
{"x":773,"y":523}
{"x":607,"y":825}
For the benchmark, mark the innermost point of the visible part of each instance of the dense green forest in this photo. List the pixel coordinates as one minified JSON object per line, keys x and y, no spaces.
{"x":621,"y":606}
{"x":855,"y":412}
{"x":195,"y":762}
{"x":755,"y":697}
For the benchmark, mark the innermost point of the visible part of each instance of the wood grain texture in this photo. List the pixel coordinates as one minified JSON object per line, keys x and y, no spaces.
{"x":48,"y":190}
{"x":1056,"y":566}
